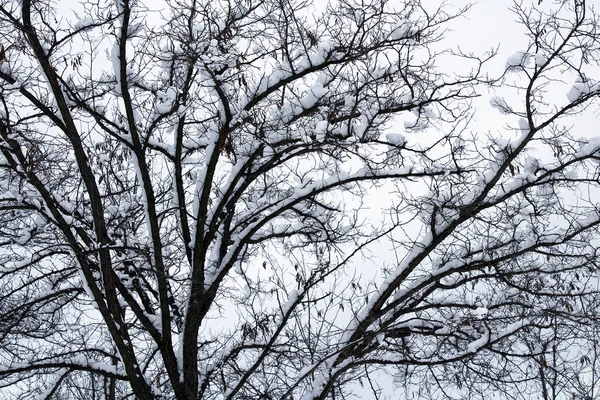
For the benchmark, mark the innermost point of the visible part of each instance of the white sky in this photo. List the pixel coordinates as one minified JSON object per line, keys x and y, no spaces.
{"x":488,"y":25}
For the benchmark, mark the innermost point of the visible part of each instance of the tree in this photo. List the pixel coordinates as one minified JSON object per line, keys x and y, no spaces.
{"x":183,"y":194}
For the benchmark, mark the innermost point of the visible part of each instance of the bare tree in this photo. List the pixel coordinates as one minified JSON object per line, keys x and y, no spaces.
{"x":183,"y":189}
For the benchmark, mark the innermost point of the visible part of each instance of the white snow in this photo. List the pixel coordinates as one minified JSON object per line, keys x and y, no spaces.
{"x":518,"y":60}
{"x":116,"y":62}
{"x":540,"y":60}
{"x":480,"y":312}
{"x":290,"y":304}
{"x":165,"y":99}
{"x":396,"y":139}
{"x":402,"y":30}
{"x":476,"y":345}
{"x":84,"y":22}
{"x":52,"y":383}
{"x":591,"y":147}
{"x":523,"y":125}
{"x":587,"y":221}
{"x":313,"y":95}
{"x":500,"y":104}
{"x":579,"y":89}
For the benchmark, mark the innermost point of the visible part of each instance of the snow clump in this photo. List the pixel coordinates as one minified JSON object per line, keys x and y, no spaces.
{"x":540,"y":60}
{"x":518,"y":60}
{"x":500,"y":104}
{"x":582,"y":86}
{"x":165,"y":99}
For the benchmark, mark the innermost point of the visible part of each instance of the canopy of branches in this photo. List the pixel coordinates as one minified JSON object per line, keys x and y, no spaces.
{"x":193,"y":193}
